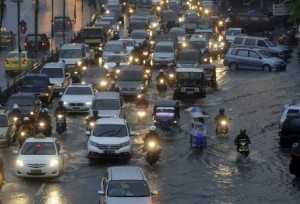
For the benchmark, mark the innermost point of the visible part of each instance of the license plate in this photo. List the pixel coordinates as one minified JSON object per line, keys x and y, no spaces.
{"x":190,"y":92}
{"x":76,"y":108}
{"x":109,"y":152}
{"x":36,"y":171}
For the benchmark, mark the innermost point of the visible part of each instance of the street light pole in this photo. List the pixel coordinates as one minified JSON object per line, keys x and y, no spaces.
{"x":52,"y":18}
{"x":19,"y":40}
{"x":64,"y":16}
{"x":81,"y":13}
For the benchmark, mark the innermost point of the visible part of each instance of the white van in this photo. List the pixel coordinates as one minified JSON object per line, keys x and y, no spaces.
{"x":72,"y":54}
{"x":58,"y":75}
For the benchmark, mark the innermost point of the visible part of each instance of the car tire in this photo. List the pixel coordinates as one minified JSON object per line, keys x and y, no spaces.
{"x":266,"y":67}
{"x":233,"y":66}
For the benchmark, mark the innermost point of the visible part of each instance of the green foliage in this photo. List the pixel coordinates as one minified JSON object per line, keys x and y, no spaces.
{"x":295,"y":17}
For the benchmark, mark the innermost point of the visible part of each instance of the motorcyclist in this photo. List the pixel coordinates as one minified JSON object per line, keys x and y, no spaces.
{"x":141,"y":102}
{"x":23,"y":23}
{"x":16,"y":111}
{"x":115,"y":36}
{"x":115,"y":69}
{"x":92,"y":118}
{"x":27,"y":127}
{"x":295,"y":152}
{"x":242,"y":136}
{"x":60,"y":109}
{"x":152,"y":136}
{"x":171,"y":68}
{"x":113,"y":87}
{"x":44,"y":116}
{"x":220,"y":118}
{"x":161,"y":76}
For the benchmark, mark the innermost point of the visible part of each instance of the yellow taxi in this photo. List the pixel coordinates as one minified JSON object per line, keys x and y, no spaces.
{"x":18,"y":62}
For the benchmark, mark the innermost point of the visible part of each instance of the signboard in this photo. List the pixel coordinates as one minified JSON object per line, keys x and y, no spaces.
{"x":282,"y":9}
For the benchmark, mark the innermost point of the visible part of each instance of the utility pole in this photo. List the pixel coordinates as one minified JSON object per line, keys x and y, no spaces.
{"x":64,"y":16}
{"x":19,"y":39}
{"x":36,"y":24}
{"x":1,"y":19}
{"x":52,"y":18}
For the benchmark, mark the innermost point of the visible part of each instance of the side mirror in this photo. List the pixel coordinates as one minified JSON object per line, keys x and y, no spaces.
{"x":15,"y":151}
{"x":101,"y":193}
{"x":60,"y":93}
{"x":132,"y":134}
{"x":88,"y":133}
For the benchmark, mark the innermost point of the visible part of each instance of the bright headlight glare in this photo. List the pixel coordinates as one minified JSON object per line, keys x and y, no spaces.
{"x":88,"y":103}
{"x":42,"y":124}
{"x":151,"y":144}
{"x":19,"y":162}
{"x":141,"y":113}
{"x":54,"y":162}
{"x":223,"y":122}
{"x":103,"y":83}
{"x":79,"y":63}
{"x":65,"y":103}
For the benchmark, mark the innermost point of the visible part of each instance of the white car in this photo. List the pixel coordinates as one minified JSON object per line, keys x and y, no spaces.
{"x":231,"y":33}
{"x":289,"y":109}
{"x":164,"y":53}
{"x":78,"y":97}
{"x":130,"y":44}
{"x":111,"y":60}
{"x":39,"y":157}
{"x":109,"y":137}
{"x":113,"y":47}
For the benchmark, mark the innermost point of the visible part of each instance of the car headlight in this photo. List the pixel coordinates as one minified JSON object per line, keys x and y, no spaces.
{"x":89,"y":103}
{"x":65,"y":103}
{"x":140,"y":87}
{"x":59,"y":85}
{"x":19,"y":162}
{"x":124,"y":144}
{"x":93,"y":143}
{"x":103,"y":83}
{"x":31,"y":113}
{"x":54,"y":162}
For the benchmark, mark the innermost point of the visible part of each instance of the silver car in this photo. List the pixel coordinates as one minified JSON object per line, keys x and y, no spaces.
{"x":251,"y":58}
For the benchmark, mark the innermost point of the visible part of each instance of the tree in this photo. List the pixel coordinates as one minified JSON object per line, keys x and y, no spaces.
{"x":295,"y":17}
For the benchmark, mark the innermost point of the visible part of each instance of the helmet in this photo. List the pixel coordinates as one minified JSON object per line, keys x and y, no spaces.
{"x":60,"y":103}
{"x":113,"y":83}
{"x":26,"y":119}
{"x":243,"y":131}
{"x":161,"y":71}
{"x":15,"y":106}
{"x":170,"y":64}
{"x":95,"y":112}
{"x":43,"y":110}
{"x":221,"y":111}
{"x":117,"y":62}
{"x":152,"y":128}
{"x":116,"y":33}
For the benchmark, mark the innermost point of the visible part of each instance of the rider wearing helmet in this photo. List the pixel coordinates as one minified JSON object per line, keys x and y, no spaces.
{"x":242,"y":136}
{"x":115,"y":36}
{"x":113,"y":87}
{"x":27,"y":127}
{"x":161,"y":76}
{"x":141,"y":102}
{"x":60,"y":109}
{"x":220,"y":118}
{"x":171,"y":68}
{"x":152,"y":136}
{"x":45,"y":117}
{"x":92,"y":118}
{"x":16,"y":111}
{"x":23,"y":23}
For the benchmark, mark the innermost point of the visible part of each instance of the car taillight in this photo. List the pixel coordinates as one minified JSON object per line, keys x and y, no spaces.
{"x":68,"y":22}
{"x":25,"y":44}
{"x":25,"y":61}
{"x":5,"y":62}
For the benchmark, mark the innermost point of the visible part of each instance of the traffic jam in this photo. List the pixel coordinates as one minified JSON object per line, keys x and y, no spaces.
{"x":139,"y":76}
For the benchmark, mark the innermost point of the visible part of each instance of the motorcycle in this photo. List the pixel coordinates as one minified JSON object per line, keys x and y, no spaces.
{"x":90,"y":124}
{"x":60,"y":123}
{"x":243,"y":148}
{"x":161,"y":86}
{"x":22,"y":137}
{"x":141,"y":114}
{"x":171,"y":79}
{"x":222,"y":128}
{"x":152,"y":152}
{"x":43,"y":128}
{"x":23,"y":29}
{"x":17,"y":122}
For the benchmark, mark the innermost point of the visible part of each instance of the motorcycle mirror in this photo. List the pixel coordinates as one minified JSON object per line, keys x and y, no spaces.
{"x":88,"y":133}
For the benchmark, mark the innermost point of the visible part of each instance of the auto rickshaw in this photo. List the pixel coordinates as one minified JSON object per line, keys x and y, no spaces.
{"x":210,"y":75}
{"x":166,"y":115}
{"x":198,"y":128}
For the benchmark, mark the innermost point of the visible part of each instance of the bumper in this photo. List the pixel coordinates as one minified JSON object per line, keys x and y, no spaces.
{"x":189,"y":93}
{"x":16,"y":68}
{"x":37,"y":172}
{"x":163,"y":62}
{"x":123,"y":152}
{"x":127,"y":93}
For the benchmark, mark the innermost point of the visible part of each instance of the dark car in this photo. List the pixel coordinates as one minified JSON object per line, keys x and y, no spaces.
{"x":189,"y":58}
{"x":97,"y":76}
{"x":58,"y":24}
{"x":290,"y":131}
{"x":28,"y":103}
{"x":36,"y":43}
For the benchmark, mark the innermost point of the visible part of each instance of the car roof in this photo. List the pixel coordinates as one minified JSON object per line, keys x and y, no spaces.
{"x":22,"y":94}
{"x":79,"y":85}
{"x":54,"y":65}
{"x":35,"y":75}
{"x":139,"y":31}
{"x":252,"y":37}
{"x":191,"y":69}
{"x":126,"y":173}
{"x":72,"y":45}
{"x":137,"y":68}
{"x":246,"y":48}
{"x":107,"y":95}
{"x":17,"y":51}
{"x":112,"y":121}
{"x":46,"y":139}
{"x":166,"y":103}
{"x":164,"y":43}
{"x":114,"y":42}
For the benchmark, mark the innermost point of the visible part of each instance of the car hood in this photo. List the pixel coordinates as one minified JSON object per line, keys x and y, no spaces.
{"x":77,"y":98}
{"x":93,"y":80}
{"x":230,"y":38}
{"x":162,"y":55}
{"x":26,"y":109}
{"x":109,"y":140}
{"x":70,"y":60}
{"x":109,"y":113}
{"x":128,"y":200}
{"x":37,"y":158}
{"x":56,"y":80}
{"x":129,"y":84}
{"x":190,"y":25}
{"x":186,"y":62}
{"x":34,"y":89}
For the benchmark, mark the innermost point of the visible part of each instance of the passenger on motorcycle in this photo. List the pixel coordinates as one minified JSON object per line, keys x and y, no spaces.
{"x":241,"y":136}
{"x":161,"y":76}
{"x":151,"y":136}
{"x":27,"y":127}
{"x":113,"y":87}
{"x":141,"y":102}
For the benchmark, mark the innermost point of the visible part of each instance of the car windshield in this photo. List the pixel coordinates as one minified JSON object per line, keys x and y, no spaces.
{"x":164,"y":49}
{"x":178,"y":32}
{"x":130,"y":76}
{"x":33,"y":82}
{"x":70,"y":53}
{"x":110,"y":130}
{"x":31,"y":38}
{"x":91,"y":33}
{"x":38,"y":148}
{"x":106,"y":104}
{"x":94,"y":73}
{"x":189,"y":56}
{"x":190,"y":75}
{"x":265,"y":54}
{"x":128,"y":43}
{"x":15,"y":55}
{"x":138,"y":35}
{"x":79,"y":91}
{"x":233,"y":32}
{"x":128,"y":188}
{"x":198,"y":44}
{"x":114,"y":58}
{"x":53,"y":72}
{"x":21,"y":101}
{"x":169,"y":16}
{"x":3,"y":121}
{"x":114,"y":48}
{"x":271,"y":43}
{"x":191,"y":19}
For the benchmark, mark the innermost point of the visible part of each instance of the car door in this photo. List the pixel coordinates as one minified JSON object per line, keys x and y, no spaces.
{"x":242,"y":59}
{"x":255,"y":61}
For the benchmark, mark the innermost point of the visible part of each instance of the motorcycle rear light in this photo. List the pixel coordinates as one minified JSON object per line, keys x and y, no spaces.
{"x":43,"y":44}
{"x":25,"y":61}
{"x":5,"y":62}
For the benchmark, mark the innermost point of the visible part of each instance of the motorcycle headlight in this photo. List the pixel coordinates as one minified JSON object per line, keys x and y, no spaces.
{"x":84,"y":68}
{"x":152,"y":42}
{"x":105,"y":66}
{"x":92,"y":124}
{"x":19,"y":162}
{"x":148,"y":71}
{"x":171,"y":75}
{"x":161,"y":81}
{"x":215,"y":45}
{"x":15,"y":119}
{"x":151,"y":144}
{"x":220,"y":23}
{"x":118,"y":71}
{"x":89,"y":103}
{"x":54,"y":162}
{"x":223,"y":122}
{"x":42,"y":124}
{"x":103,"y":83}
{"x":23,"y":133}
{"x":79,"y":63}
{"x":154,"y":25}
{"x":83,"y":82}
{"x":140,"y":87}
{"x":145,"y":52}
{"x":124,"y":144}
{"x":141,"y":113}
{"x":59,"y":116}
